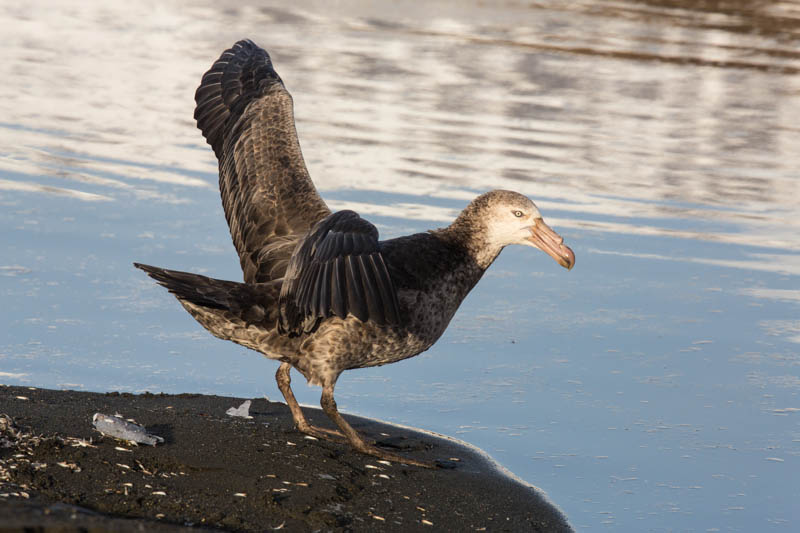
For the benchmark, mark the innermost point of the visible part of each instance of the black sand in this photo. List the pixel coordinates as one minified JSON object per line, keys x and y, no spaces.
{"x":235,"y":474}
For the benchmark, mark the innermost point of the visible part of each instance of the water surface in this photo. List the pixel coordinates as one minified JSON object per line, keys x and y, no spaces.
{"x":654,"y":387}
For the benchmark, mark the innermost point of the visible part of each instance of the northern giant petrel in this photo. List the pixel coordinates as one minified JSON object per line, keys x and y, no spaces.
{"x":321,"y":293}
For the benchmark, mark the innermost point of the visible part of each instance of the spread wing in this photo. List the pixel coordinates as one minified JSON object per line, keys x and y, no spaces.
{"x":270,"y":202}
{"x":338,"y":269}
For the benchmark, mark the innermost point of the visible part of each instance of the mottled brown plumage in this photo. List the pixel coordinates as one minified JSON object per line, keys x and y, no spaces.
{"x":321,"y":293}
{"x":270,"y":202}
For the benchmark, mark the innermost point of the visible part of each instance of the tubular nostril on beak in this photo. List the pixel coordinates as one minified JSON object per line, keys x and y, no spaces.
{"x":546,"y":231}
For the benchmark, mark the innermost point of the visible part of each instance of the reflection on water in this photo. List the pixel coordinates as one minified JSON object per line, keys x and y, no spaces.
{"x":529,"y":107}
{"x":655,"y":385}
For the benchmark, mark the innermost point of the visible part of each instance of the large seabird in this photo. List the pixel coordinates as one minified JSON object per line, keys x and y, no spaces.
{"x":321,"y":293}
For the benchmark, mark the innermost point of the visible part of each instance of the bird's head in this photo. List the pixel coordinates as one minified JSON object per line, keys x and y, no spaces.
{"x":511,"y":218}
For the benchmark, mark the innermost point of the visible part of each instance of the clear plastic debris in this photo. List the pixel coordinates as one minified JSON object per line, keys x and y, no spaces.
{"x":242,"y":411}
{"x":120,"y":428}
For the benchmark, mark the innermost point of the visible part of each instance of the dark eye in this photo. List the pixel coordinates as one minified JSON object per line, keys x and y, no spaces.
{"x":517,"y":214}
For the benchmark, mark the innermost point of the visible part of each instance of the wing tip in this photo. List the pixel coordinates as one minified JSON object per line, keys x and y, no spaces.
{"x":225,"y":90}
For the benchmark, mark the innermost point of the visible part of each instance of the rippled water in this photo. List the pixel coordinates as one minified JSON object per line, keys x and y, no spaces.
{"x":654,"y":387}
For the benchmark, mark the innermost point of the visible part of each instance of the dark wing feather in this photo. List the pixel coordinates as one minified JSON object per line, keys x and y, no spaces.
{"x":384,"y":284}
{"x":335,"y":271}
{"x":356,"y":301}
{"x":374,"y":297}
{"x":270,"y":202}
{"x":339,"y":287}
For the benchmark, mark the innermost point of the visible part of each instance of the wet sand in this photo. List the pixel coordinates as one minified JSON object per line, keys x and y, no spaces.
{"x":234,"y":474}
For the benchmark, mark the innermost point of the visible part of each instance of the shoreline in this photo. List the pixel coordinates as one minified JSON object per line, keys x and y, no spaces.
{"x":228,"y":473}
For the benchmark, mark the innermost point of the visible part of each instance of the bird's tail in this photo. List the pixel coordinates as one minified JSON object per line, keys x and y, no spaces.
{"x":234,"y":302}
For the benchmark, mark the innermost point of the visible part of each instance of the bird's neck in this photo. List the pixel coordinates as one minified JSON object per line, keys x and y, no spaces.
{"x":469,"y":233}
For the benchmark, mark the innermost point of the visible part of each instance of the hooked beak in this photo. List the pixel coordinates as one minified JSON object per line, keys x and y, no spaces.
{"x":551,"y":243}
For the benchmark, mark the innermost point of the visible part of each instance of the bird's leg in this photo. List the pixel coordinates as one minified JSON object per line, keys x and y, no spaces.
{"x":284,"y":384}
{"x":356,"y":440}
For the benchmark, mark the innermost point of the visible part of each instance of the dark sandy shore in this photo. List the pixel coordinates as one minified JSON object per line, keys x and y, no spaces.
{"x":233,"y":474}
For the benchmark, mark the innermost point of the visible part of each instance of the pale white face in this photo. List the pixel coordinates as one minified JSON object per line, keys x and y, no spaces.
{"x":514,"y":219}
{"x":511,"y":222}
